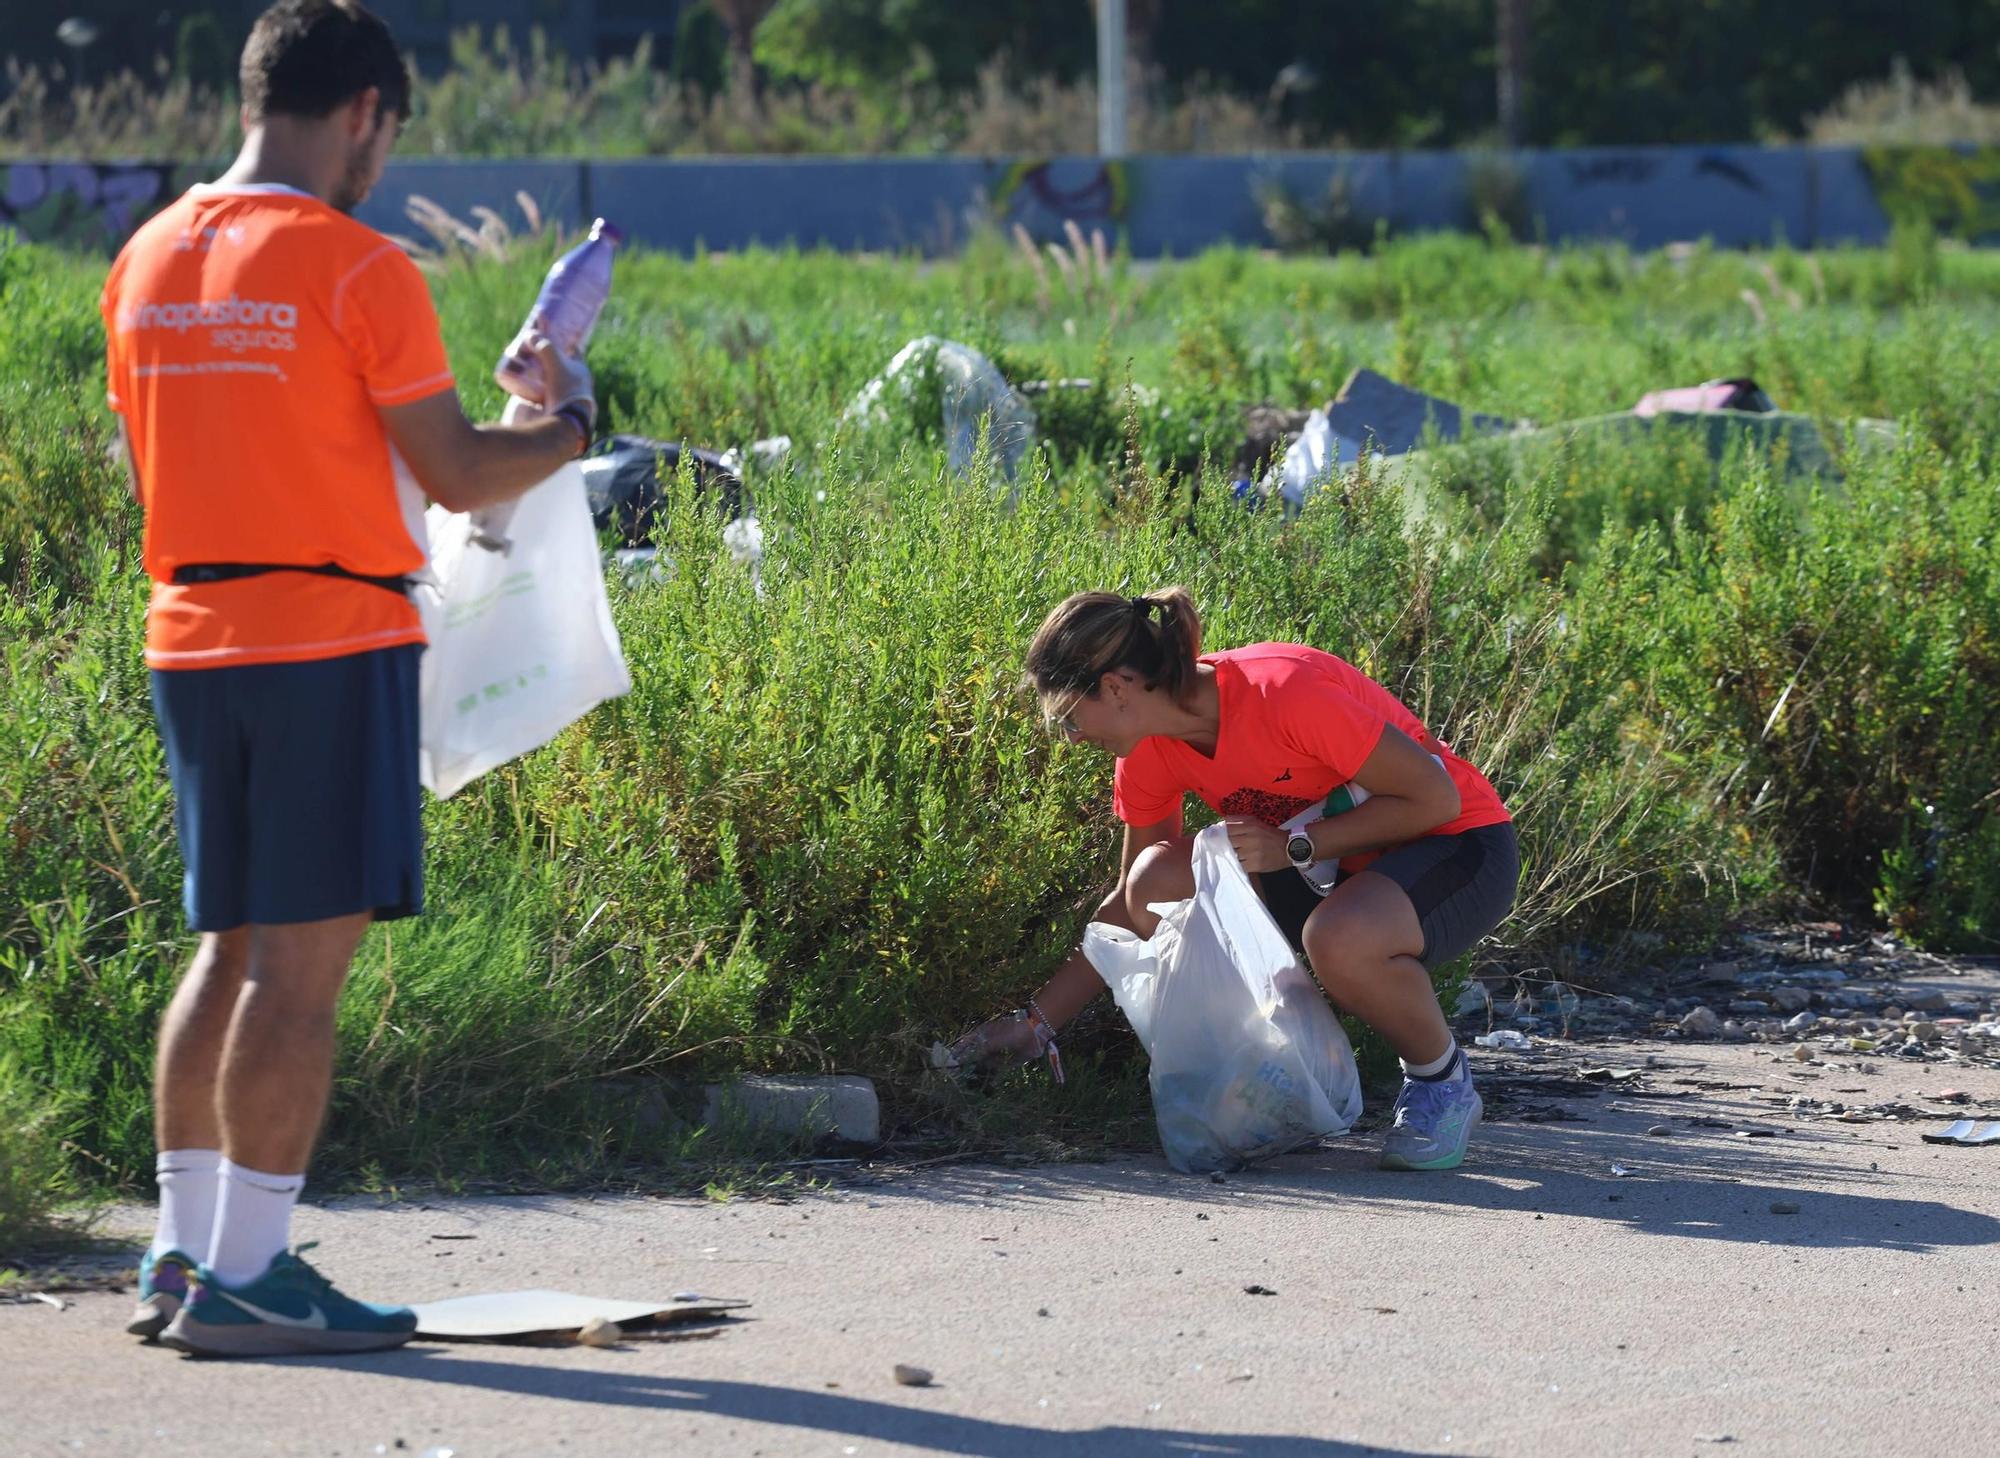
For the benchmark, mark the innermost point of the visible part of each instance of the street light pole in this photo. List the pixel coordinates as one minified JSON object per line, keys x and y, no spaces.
{"x":1111,"y":78}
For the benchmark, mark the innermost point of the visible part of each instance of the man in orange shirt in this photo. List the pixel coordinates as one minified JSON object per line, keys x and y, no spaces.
{"x":286,"y":405}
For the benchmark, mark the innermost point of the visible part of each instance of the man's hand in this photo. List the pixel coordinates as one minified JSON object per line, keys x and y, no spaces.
{"x":1001,"y":1043}
{"x":565,"y":379}
{"x":467,"y":467}
{"x":1258,"y":847}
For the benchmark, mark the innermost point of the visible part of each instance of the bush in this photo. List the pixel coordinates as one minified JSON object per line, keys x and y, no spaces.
{"x":1848,"y":653}
{"x":825,"y":828}
{"x":35,"y":1175}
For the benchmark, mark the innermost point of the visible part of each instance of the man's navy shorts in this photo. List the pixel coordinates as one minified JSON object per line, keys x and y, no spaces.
{"x":295,"y":788}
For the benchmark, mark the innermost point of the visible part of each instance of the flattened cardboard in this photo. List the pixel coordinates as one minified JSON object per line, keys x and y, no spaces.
{"x":499,"y":1316}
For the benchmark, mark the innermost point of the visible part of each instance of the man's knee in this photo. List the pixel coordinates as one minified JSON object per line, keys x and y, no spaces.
{"x":304,"y":966}
{"x":216,"y":974}
{"x":225,"y":954}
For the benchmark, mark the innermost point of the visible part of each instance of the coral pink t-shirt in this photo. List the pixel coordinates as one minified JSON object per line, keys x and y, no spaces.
{"x":1297,"y":724}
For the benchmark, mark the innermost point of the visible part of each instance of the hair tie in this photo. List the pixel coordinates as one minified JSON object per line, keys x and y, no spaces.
{"x":1143,"y":606}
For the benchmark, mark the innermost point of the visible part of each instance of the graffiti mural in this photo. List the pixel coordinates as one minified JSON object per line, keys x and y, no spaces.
{"x":95,"y":204}
{"x":1042,"y":195}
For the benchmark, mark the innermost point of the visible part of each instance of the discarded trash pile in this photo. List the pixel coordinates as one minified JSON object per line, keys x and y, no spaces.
{"x":1806,"y":987}
{"x":1375,"y":414}
{"x":1836,"y":1002}
{"x":973,"y":397}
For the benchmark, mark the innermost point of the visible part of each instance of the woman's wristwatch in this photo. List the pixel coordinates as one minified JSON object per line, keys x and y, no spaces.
{"x":1299,"y":849}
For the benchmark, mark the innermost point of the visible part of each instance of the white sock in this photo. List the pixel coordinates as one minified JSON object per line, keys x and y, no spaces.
{"x":1436,"y":1066}
{"x":187,"y":1180}
{"x":253,"y":1219}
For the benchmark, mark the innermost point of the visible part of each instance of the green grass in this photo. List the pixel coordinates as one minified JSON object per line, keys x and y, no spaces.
{"x":825,"y":828}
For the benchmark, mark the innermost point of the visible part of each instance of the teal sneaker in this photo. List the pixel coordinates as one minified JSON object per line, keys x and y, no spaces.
{"x":290,"y":1310}
{"x":163,"y":1290}
{"x":1433,"y":1121}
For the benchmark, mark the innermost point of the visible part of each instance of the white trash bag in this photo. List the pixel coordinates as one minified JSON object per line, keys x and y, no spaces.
{"x":1310,"y":462}
{"x":521,"y":641}
{"x":1248,"y":1059}
{"x":975,"y":396}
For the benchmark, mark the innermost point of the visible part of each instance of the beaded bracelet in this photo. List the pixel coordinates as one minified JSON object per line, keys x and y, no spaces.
{"x":1045,"y":1035}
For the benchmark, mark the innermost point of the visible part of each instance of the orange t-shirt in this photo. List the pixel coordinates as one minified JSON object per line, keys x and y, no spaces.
{"x":1296,"y":725}
{"x":252,"y":334}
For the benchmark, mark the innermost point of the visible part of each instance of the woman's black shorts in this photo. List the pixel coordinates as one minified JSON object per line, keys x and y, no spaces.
{"x":1461,"y":885}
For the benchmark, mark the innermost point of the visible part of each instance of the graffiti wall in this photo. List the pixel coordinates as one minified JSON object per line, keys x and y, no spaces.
{"x":1644,"y":197}
{"x":84,"y":204}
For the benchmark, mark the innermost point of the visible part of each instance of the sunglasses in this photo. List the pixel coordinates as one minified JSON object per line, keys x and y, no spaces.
{"x":1066,"y":720}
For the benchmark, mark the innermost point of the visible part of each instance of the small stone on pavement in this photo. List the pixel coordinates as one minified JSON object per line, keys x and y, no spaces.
{"x":908,"y":1376}
{"x":1701,"y":1022}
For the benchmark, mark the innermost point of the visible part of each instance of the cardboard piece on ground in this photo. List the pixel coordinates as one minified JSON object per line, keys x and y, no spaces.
{"x":1395,"y":416}
{"x":499,"y":1316}
{"x":1965,"y":1132}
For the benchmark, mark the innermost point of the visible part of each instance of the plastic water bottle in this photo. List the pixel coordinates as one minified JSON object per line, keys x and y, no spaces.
{"x":565,"y":310}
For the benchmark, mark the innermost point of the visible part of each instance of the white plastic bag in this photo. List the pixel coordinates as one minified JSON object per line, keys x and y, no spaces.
{"x":521,"y":642}
{"x":1311,"y":461}
{"x":975,"y":395}
{"x":1248,"y":1059}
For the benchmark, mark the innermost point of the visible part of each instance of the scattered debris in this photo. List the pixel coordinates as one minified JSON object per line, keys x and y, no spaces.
{"x":1784,"y":1207}
{"x":599,"y":1332}
{"x":1507,"y":1038}
{"x":977,"y":401}
{"x":1738,"y":394}
{"x":908,"y":1376}
{"x":1393,"y":420}
{"x":1258,"y":1291}
{"x":1701,"y":1022}
{"x":1659,"y":1131}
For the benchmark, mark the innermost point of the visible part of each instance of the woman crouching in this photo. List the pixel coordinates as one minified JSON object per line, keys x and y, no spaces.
{"x":1311,"y":763}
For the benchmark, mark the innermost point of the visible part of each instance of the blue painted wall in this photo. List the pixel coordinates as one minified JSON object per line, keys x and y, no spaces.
{"x":1643,"y":196}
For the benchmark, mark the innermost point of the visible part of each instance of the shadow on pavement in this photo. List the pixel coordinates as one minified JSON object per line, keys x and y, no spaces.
{"x":1695,"y":1184}
{"x":829,"y":1412}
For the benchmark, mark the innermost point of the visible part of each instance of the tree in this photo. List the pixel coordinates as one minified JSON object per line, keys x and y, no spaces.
{"x":1512,"y":26}
{"x":878,"y":46}
{"x":741,"y":19}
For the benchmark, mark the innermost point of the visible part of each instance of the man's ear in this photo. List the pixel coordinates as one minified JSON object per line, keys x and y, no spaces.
{"x":361,"y":113}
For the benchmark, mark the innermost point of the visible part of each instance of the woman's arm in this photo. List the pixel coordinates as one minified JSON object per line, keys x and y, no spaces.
{"x":1409,"y":795}
{"x":1075,"y":984}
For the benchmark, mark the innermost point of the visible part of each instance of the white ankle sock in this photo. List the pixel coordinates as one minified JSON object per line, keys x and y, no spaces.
{"x":1436,"y":1066}
{"x":187,"y":1180}
{"x":253,"y":1219}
